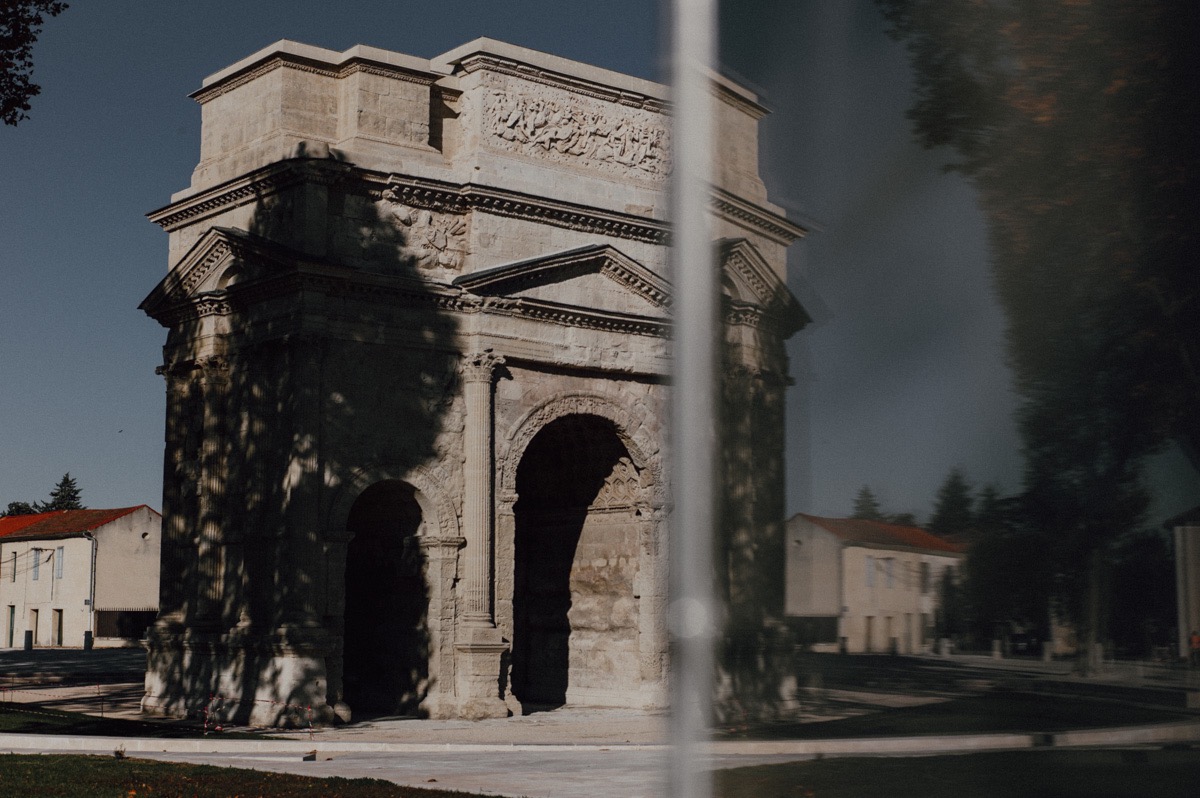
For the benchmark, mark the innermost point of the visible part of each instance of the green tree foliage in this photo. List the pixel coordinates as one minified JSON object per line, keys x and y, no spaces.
{"x":20,"y":23}
{"x":953,"y":511}
{"x":1008,"y":577}
{"x":1076,"y":122}
{"x":866,"y":506}
{"x":950,"y":620}
{"x":20,"y":508}
{"x":1143,"y":593}
{"x":65,"y":496}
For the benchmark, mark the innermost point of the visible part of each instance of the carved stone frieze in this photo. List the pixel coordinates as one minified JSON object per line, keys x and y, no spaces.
{"x":581,"y":132}
{"x":624,"y":487}
{"x":433,"y":240}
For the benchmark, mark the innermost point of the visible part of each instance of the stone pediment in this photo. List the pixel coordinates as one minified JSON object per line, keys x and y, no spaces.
{"x":747,"y":279}
{"x":221,"y":257}
{"x":597,"y":278}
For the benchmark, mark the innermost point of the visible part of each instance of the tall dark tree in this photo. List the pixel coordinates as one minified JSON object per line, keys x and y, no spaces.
{"x":65,"y":496}
{"x":953,"y":511}
{"x":1076,"y":121}
{"x":20,"y":24}
{"x":866,"y":506}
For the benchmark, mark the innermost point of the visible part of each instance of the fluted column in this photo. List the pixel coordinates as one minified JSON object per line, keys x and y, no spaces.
{"x":478,"y":494}
{"x":479,"y":645}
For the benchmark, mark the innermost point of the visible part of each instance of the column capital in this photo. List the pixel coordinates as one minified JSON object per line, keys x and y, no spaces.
{"x":479,"y":366}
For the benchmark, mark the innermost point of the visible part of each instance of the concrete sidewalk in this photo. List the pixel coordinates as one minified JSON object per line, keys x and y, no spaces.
{"x":564,"y":769}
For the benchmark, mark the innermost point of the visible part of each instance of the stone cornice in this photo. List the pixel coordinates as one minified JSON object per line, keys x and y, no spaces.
{"x":415,"y":191}
{"x":742,"y":212}
{"x":574,"y":316}
{"x":440,"y":195}
{"x":600,"y":91}
{"x":300,"y":63}
{"x":738,"y":100}
{"x":252,"y":187}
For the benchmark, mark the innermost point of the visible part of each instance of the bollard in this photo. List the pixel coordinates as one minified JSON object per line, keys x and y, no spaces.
{"x":996,"y":652}
{"x":29,"y":640}
{"x":88,"y":640}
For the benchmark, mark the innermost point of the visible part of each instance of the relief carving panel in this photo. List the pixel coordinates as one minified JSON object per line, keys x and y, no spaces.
{"x":582,"y":132}
{"x":433,"y":240}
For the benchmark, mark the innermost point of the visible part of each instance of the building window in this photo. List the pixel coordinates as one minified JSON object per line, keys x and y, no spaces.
{"x":889,"y":571}
{"x":924,"y":577}
{"x":14,"y":566}
{"x":58,"y":562}
{"x":870,"y":571}
{"x":37,"y":563}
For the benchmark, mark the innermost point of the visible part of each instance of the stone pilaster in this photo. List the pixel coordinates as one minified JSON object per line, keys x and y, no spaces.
{"x":174,"y":597}
{"x":301,"y":556}
{"x":441,"y":567}
{"x":214,"y":381}
{"x":479,"y":645}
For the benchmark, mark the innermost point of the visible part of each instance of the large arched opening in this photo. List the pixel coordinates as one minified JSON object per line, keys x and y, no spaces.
{"x":386,"y":647}
{"x":575,"y":616}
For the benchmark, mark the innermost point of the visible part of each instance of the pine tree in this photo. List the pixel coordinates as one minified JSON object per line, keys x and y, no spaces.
{"x":866,"y":506}
{"x":65,"y":496}
{"x":953,"y":512}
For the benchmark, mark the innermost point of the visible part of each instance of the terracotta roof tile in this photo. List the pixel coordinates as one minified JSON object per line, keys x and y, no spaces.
{"x":860,"y":530}
{"x":60,"y":523}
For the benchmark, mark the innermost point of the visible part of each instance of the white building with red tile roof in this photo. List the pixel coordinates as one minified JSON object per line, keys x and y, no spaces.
{"x":864,"y":586}
{"x":68,"y":574}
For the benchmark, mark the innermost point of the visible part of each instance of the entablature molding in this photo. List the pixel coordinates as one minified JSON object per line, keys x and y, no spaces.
{"x":744,"y":213}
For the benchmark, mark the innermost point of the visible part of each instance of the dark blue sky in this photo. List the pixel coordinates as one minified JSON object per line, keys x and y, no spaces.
{"x":901,"y":379}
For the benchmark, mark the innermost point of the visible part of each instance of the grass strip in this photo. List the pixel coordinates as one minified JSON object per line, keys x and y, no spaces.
{"x":35,"y":719}
{"x":1046,"y":774}
{"x":68,"y":776}
{"x":999,"y":711}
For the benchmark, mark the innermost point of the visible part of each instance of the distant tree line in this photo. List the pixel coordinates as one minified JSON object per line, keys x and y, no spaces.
{"x":1017,"y":572}
{"x":65,"y":496}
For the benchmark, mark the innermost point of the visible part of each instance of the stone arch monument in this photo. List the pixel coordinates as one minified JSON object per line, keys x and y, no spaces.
{"x":416,"y":366}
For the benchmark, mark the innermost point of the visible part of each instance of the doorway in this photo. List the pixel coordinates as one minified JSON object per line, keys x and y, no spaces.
{"x":386,"y":643}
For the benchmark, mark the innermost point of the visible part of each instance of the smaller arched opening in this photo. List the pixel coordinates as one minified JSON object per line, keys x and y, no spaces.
{"x":386,"y":647}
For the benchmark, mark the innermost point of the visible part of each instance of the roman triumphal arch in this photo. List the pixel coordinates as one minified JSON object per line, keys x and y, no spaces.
{"x":418,"y":326}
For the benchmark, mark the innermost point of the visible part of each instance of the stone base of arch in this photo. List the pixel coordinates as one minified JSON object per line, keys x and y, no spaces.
{"x":277,"y":678}
{"x":480,"y":657}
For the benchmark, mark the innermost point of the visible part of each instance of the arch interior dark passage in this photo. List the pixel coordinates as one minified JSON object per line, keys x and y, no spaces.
{"x":574,"y":615}
{"x":386,"y":645}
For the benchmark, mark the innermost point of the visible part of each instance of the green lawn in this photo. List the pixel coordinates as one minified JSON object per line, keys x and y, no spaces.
{"x":33,"y":719}
{"x":993,"y":712}
{"x":1025,"y":774}
{"x":37,"y":776}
